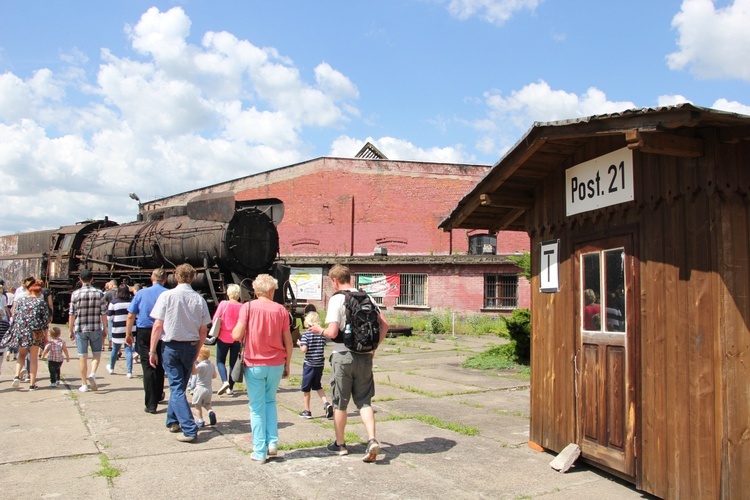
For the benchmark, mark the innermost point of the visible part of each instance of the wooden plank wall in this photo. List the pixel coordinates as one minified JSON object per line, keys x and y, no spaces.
{"x":694,"y":233}
{"x":733,"y":228}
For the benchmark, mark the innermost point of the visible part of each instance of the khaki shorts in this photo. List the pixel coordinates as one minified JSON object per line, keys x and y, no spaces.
{"x":351,"y":378}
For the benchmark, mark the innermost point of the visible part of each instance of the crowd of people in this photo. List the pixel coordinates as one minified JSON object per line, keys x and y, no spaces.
{"x":166,"y":331}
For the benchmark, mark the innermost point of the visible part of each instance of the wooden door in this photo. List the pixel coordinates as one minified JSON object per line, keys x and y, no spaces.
{"x":606,"y":352}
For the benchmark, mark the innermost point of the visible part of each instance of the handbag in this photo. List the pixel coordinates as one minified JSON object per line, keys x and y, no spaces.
{"x":215,"y":328}
{"x":237,"y":369}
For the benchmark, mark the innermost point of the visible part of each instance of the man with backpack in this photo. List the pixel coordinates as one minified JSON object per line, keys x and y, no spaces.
{"x":356,"y":326}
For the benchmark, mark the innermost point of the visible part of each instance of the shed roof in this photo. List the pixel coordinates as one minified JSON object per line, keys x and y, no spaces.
{"x":501,"y":199}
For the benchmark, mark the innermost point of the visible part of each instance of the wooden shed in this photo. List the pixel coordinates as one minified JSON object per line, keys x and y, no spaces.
{"x":640,"y":237}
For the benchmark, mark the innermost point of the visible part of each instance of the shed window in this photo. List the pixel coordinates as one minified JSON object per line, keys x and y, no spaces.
{"x":501,"y":291}
{"x":413,"y":291}
{"x":603,"y":285}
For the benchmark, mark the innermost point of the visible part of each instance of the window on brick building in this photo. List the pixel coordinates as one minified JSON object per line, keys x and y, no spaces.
{"x":413,"y":290}
{"x":501,"y":291}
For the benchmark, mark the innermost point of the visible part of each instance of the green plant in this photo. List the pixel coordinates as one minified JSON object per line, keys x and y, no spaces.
{"x":498,"y":358}
{"x":436,"y":326}
{"x":519,"y":329}
{"x":107,"y":470}
{"x":523,"y":261}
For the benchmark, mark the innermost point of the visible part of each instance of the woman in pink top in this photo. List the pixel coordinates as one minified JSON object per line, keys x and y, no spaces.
{"x":264,"y":326}
{"x":228,"y":311}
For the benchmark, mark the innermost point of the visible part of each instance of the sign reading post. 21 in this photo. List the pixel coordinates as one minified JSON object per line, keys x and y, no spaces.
{"x":601,"y":182}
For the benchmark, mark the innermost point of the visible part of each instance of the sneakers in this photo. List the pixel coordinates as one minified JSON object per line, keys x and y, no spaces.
{"x":273,"y":450}
{"x":373,"y":448}
{"x":175,"y":427}
{"x":224,"y":388}
{"x":110,"y":370}
{"x":211,"y":417}
{"x":52,"y":385}
{"x":255,"y":457}
{"x":92,"y":382}
{"x":186,"y":439}
{"x":339,"y":449}
{"x":200,"y":422}
{"x":305,"y":414}
{"x":130,"y":375}
{"x":16,"y":382}
{"x":84,"y":388}
{"x":328,"y":408}
{"x":22,"y":374}
{"x":34,"y":387}
{"x":229,"y":392}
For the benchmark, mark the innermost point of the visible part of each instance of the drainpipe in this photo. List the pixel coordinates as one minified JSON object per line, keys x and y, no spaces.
{"x":351,"y":247}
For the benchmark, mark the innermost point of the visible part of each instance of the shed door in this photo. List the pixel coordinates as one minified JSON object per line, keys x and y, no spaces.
{"x":605,"y":359}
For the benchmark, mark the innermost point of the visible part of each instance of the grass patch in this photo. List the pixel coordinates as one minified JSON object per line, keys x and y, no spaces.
{"x":349,"y":438}
{"x":107,"y":470}
{"x":497,"y":358}
{"x":466,"y":430}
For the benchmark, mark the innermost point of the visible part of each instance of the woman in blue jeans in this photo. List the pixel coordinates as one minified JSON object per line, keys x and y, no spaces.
{"x":264,"y":326}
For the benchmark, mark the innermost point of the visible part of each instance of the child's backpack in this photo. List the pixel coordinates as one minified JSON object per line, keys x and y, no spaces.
{"x":362,"y":330}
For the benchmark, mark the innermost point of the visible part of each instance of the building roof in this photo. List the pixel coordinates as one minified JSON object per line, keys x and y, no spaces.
{"x":502,"y":198}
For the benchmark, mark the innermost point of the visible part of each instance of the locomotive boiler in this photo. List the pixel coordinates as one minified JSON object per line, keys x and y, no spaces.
{"x":224,"y":240}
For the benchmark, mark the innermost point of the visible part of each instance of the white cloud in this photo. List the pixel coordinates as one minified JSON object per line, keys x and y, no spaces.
{"x":508,"y":118}
{"x":671,"y":100}
{"x":713,"y":42}
{"x":176,"y":117}
{"x":399,"y":149}
{"x":493,"y":11}
{"x":732,"y":106}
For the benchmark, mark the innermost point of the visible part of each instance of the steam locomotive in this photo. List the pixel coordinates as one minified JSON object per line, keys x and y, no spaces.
{"x":226,"y":241}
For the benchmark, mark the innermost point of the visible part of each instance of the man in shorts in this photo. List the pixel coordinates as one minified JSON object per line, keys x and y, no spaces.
{"x":351,"y":373}
{"x":87,"y":323}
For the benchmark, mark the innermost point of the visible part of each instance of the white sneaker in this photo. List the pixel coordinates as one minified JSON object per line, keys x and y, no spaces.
{"x":130,"y":375}
{"x":22,"y":374}
{"x":84,"y":388}
{"x":92,"y":382}
{"x":229,"y":392}
{"x":224,"y":388}
{"x":110,"y":370}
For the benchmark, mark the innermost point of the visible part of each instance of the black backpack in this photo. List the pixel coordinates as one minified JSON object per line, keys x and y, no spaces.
{"x":362,"y":320}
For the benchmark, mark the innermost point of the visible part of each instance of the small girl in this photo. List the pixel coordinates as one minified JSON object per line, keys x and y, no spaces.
{"x":204,"y":372}
{"x":313,"y":346}
{"x":53,"y":353}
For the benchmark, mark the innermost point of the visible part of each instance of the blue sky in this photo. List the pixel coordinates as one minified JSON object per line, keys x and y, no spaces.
{"x":100,"y":99}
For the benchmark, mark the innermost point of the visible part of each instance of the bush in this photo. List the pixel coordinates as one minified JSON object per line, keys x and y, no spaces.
{"x":436,"y":326}
{"x":519,"y":330}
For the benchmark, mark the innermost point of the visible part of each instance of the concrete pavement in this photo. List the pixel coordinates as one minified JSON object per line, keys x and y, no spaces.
{"x":444,"y":431}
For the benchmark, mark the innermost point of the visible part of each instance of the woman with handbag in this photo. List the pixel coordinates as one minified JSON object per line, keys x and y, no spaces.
{"x":28,"y":332}
{"x":227,"y":314}
{"x":264,"y":326}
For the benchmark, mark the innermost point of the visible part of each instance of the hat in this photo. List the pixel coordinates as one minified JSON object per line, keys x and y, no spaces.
{"x":86,"y":274}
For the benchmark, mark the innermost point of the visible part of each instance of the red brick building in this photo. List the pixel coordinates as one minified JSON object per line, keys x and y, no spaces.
{"x":381,"y":218}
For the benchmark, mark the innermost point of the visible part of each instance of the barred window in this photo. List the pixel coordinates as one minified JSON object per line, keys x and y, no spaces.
{"x":413,"y":291}
{"x":501,"y":291}
{"x":362,"y":278}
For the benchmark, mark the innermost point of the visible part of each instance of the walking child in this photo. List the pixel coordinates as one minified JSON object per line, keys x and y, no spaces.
{"x":204,"y":372}
{"x":313,"y":345}
{"x":53,"y":353}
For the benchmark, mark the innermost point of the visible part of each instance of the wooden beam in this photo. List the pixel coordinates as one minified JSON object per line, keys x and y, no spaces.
{"x":661,"y":143}
{"x":510,"y":218}
{"x":505,"y":201}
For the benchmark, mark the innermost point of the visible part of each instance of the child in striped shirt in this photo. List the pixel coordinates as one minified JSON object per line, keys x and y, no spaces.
{"x":313,"y":346}
{"x":53,"y":353}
